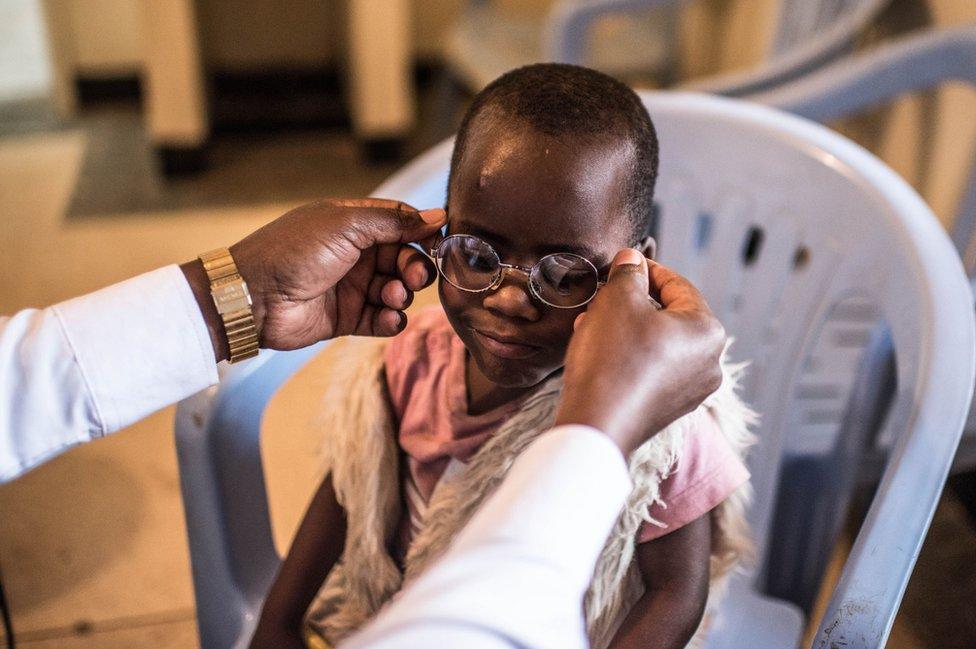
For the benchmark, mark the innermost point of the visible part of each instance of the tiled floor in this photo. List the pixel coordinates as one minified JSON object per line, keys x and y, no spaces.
{"x":92,"y":545}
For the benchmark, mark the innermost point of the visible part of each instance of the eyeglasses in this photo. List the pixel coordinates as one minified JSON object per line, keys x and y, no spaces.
{"x":561,"y":280}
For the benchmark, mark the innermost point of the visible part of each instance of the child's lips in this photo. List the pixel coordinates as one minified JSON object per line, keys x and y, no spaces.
{"x":504,"y":348}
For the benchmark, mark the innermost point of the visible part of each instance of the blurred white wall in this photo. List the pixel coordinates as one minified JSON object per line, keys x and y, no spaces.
{"x":24,"y":66}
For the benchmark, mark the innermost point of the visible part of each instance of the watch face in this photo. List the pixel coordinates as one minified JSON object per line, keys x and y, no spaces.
{"x":230,"y":295}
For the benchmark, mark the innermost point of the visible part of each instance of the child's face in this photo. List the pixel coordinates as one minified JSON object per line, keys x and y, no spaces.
{"x":528,"y":195}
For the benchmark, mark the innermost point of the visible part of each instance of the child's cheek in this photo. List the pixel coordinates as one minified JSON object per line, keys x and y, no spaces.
{"x":452,"y":300}
{"x":563,"y":326}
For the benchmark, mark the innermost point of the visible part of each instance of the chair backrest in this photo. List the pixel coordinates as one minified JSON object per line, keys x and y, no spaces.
{"x":809,"y":33}
{"x":799,"y":239}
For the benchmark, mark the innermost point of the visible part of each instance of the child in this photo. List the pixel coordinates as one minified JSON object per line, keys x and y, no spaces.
{"x":552,"y":173}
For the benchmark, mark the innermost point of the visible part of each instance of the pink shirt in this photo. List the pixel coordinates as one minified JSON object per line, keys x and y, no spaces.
{"x":426,"y":379}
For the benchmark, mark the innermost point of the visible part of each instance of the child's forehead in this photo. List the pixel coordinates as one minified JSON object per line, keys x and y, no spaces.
{"x":530,"y":184}
{"x":500,"y":151}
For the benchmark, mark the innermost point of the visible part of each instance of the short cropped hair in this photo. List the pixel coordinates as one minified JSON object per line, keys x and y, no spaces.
{"x":561,"y":100}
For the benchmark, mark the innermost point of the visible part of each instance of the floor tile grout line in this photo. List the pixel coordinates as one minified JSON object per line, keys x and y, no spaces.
{"x":106,"y":626}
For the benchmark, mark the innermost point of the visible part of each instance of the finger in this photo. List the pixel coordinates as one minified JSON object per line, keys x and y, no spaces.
{"x":387,"y":291}
{"x":578,"y":322}
{"x":379,"y":321}
{"x":386,"y":258}
{"x":676,"y":292}
{"x":388,"y":322}
{"x":371,"y":202}
{"x":395,"y":295}
{"x":378,"y":221}
{"x":627,"y":256}
{"x":415,"y":268}
{"x":428,"y":242}
{"x":629,"y":270}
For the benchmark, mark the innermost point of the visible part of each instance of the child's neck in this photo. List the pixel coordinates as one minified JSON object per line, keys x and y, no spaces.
{"x":485,"y":395}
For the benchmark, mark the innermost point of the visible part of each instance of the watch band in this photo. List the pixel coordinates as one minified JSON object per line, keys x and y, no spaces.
{"x":233,"y":301}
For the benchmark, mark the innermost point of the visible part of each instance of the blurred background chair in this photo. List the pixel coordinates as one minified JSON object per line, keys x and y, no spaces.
{"x":917,"y":63}
{"x":640,"y":37}
{"x":807,"y":35}
{"x":801,"y":241}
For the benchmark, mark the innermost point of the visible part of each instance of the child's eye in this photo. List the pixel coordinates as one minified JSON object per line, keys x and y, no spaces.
{"x":565,"y":281}
{"x":481,"y":263}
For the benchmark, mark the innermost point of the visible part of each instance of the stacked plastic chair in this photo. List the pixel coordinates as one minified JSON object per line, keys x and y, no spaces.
{"x":486,"y":43}
{"x":918,"y":63}
{"x":800,"y":240}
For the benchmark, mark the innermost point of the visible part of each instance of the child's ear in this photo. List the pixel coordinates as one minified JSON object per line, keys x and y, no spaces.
{"x":648,"y":246}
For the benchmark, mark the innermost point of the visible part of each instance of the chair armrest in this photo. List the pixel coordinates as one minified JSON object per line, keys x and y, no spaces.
{"x":232,"y":551}
{"x":835,"y":40}
{"x":852,"y":85}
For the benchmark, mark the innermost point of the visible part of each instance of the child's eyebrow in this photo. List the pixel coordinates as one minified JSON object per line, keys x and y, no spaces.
{"x":577,"y":249}
{"x":491,"y":237}
{"x":503,"y":242}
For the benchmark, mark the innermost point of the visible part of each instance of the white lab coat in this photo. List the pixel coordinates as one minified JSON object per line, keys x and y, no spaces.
{"x":514,"y":577}
{"x":95,"y":364}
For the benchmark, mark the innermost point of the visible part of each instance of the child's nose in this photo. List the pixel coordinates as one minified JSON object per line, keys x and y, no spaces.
{"x":511,"y":298}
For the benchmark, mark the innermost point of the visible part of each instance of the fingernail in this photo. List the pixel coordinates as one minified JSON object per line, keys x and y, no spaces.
{"x":628,"y":256}
{"x":578,"y":321}
{"x":401,"y":321}
{"x":433,"y":215}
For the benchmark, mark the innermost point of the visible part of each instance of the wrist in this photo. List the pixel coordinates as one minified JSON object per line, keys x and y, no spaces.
{"x":246,"y":268}
{"x":196,"y":277}
{"x":620,"y":428}
{"x":573,"y":415}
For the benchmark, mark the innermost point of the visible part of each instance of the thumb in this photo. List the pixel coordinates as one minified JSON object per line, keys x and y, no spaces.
{"x":629,"y":271}
{"x":422,"y":225}
{"x":389,"y":221}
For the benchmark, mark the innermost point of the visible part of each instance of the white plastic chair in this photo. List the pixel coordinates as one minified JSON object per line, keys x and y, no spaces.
{"x":485,"y":43}
{"x":800,"y":240}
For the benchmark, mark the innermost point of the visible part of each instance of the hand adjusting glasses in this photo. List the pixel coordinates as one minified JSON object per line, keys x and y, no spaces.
{"x":562,"y":280}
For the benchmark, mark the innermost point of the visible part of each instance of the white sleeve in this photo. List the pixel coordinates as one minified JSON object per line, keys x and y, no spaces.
{"x":94,"y":364}
{"x":516,"y":575}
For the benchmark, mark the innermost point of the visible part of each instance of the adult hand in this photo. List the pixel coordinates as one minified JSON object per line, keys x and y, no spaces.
{"x":632,"y":369}
{"x":330,"y":268}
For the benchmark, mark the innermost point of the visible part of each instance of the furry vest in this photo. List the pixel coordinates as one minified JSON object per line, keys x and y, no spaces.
{"x":362,"y":454}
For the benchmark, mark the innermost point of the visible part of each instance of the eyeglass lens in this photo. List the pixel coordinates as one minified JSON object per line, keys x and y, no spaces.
{"x":562,"y":279}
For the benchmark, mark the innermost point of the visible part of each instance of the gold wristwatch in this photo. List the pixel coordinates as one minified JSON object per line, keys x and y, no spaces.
{"x":229,"y":292}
